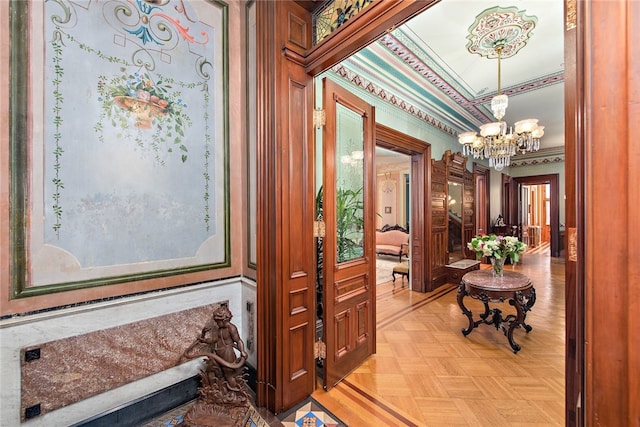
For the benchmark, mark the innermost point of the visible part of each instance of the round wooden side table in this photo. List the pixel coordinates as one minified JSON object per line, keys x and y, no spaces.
{"x":513,"y":287}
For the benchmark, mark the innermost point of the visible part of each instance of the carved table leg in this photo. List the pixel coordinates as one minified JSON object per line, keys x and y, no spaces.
{"x":526,"y":301}
{"x":515,"y":323}
{"x":522,"y":303}
{"x":487,"y":310}
{"x":461,"y":294}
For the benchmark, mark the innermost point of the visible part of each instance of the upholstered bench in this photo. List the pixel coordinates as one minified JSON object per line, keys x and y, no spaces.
{"x":457,"y":269}
{"x":403,"y":270}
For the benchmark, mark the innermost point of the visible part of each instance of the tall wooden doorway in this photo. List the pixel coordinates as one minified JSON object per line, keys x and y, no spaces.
{"x":513,"y":207}
{"x":286,"y":63}
{"x":420,"y":153}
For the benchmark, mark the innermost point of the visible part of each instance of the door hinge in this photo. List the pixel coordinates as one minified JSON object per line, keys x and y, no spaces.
{"x":320,"y":350}
{"x":318,"y":228}
{"x":319,"y":118}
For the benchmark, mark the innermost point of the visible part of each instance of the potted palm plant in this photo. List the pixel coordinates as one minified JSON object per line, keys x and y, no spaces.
{"x":350,"y":223}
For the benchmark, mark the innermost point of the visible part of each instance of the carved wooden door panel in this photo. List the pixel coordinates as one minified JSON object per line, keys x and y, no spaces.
{"x":438,"y":224}
{"x":481,"y":190}
{"x":349,"y":252}
{"x":418,"y":266}
{"x":468,"y":213}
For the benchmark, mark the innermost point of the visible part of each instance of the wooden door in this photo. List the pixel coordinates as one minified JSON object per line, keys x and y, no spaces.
{"x":349,"y":213}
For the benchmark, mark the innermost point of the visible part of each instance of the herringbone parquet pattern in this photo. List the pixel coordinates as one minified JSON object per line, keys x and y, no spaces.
{"x":426,"y":373}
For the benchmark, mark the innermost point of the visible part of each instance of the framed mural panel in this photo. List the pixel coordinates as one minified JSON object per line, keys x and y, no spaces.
{"x":119,"y":141}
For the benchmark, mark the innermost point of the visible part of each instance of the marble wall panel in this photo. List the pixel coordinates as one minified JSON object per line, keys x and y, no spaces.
{"x":61,"y":372}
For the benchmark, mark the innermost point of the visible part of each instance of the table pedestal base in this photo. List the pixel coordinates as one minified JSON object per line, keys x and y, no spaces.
{"x":522,"y":300}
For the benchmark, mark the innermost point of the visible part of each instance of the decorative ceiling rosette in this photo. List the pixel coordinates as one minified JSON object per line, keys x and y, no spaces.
{"x":507,"y":27}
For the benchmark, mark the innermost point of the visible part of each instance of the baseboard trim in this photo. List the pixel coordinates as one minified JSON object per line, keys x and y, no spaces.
{"x":155,"y":404}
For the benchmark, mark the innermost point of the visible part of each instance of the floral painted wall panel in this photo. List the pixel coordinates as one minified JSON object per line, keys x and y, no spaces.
{"x":128,"y":171}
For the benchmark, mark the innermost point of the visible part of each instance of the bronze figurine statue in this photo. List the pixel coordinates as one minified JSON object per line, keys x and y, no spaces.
{"x":224,"y":394}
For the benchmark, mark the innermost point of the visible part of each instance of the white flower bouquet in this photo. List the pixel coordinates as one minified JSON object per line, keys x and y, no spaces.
{"x":498,"y":247}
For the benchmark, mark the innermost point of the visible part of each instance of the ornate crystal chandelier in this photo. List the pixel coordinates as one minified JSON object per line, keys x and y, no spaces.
{"x":388,"y":185}
{"x":498,"y":142}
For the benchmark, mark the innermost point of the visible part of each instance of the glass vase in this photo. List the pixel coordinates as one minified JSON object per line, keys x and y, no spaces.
{"x":497,"y":266}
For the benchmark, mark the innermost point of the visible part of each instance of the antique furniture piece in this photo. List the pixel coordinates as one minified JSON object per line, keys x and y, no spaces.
{"x":392,"y":242}
{"x":452,"y":214}
{"x":456,"y":270}
{"x":514,"y":287}
{"x":403,"y":270}
{"x":533,"y":234}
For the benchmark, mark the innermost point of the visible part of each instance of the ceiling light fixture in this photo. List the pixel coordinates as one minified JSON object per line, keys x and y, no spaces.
{"x":353,"y":159}
{"x":496,"y":141}
{"x":388,"y":185}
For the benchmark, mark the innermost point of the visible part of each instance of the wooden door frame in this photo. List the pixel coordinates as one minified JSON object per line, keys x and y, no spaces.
{"x":284,"y":121}
{"x":574,"y":220}
{"x":604,"y":145}
{"x":608,"y":187}
{"x":285,"y":154}
{"x":482,"y":194}
{"x":420,"y":153}
{"x":553,"y":181}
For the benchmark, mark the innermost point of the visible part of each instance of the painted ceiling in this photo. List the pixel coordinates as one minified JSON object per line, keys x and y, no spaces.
{"x":426,"y":68}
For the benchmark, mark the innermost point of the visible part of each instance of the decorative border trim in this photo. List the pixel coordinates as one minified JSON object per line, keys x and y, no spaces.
{"x":517,"y":163}
{"x":391,"y":98}
{"x":470,"y":105}
{"x":252,"y":184}
{"x":421,"y":66}
{"x":402,"y":46}
{"x":542,"y":82}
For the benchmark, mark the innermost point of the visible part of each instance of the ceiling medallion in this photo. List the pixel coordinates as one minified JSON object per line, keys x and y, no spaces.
{"x":501,"y":33}
{"x":505,"y":27}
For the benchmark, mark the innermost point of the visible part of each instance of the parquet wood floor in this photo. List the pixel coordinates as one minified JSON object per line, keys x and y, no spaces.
{"x":426,"y":373}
